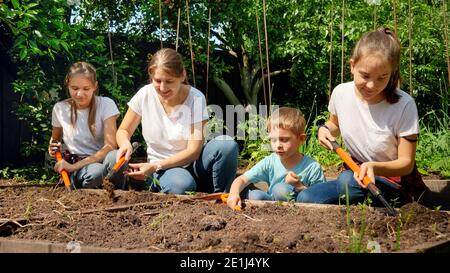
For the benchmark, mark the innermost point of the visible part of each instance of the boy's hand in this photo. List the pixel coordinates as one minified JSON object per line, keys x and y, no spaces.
{"x":294,"y":180}
{"x":233,"y":201}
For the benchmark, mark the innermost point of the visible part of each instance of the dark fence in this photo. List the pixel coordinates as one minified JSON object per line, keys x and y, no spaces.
{"x":11,"y":130}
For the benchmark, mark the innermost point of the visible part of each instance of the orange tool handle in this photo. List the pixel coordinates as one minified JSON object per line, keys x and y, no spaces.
{"x":119,"y":163}
{"x":224,"y":198}
{"x":366,"y":180}
{"x":349,"y":161}
{"x":64,"y":173}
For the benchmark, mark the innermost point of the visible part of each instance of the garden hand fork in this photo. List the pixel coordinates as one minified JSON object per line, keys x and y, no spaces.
{"x":106,"y":183}
{"x":366,"y":180}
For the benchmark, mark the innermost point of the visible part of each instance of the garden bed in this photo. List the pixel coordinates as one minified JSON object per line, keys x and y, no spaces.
{"x":151,"y":222}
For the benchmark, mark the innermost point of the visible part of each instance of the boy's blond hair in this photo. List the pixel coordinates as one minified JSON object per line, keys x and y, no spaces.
{"x":287,"y":118}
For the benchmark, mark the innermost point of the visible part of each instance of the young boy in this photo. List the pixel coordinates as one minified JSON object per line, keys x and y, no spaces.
{"x":286,"y":170}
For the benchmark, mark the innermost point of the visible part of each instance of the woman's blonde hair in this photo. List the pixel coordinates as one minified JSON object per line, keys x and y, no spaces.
{"x":287,"y":118}
{"x":88,"y":71}
{"x":168,"y":60}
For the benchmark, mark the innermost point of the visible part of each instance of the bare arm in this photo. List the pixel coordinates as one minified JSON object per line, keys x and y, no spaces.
{"x":110,"y":128}
{"x":126,"y":129}
{"x":326,"y":135}
{"x":237,"y":186}
{"x":57,"y":133}
{"x":403,"y":165}
{"x":192,"y":152}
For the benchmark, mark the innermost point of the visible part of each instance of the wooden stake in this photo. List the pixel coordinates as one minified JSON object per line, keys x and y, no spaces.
{"x":444,"y":11}
{"x":395,"y":17}
{"x":160,"y":23}
{"x":190,"y":42}
{"x":207,"y":54}
{"x":260,"y":53}
{"x":267,"y":56}
{"x":410,"y":46}
{"x":178,"y":29}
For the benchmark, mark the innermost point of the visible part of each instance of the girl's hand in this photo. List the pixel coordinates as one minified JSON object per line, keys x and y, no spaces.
{"x":365,"y":169}
{"x":233,"y":201}
{"x":63,"y":165}
{"x":294,"y":180}
{"x":324,"y":136}
{"x":140,"y":171}
{"x":126,"y":150}
{"x":53,"y":147}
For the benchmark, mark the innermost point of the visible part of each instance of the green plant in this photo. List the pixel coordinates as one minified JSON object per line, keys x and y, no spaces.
{"x":256,"y":142}
{"x":28,"y":208}
{"x":34,"y":173}
{"x":157,"y":221}
{"x":433,"y":148}
{"x":314,"y":149}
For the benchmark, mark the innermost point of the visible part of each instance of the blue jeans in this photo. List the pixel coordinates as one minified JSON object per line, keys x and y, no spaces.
{"x":330,"y":192}
{"x":90,"y":176}
{"x":280,"y":192}
{"x":212,"y":172}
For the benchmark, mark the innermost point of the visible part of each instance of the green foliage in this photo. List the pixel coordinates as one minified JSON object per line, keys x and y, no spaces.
{"x":312,"y":147}
{"x":34,"y":173}
{"x":50,"y":35}
{"x":256,"y":142}
{"x":433,"y":148}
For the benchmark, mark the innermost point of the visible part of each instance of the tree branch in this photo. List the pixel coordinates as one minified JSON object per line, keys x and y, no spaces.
{"x":226,"y":90}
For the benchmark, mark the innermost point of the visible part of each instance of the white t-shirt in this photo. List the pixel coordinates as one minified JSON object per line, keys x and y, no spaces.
{"x":164,"y":134}
{"x":371,"y":131}
{"x":78,"y":138}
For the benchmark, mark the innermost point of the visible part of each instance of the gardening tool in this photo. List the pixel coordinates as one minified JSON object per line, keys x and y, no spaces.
{"x":366,"y":180}
{"x":121,"y":161}
{"x":107,"y":185}
{"x":64,"y":173}
{"x":217,"y":196}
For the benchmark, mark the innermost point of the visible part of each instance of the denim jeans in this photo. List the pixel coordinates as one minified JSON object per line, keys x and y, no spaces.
{"x":90,"y":176}
{"x":212,"y":172}
{"x":280,"y":192}
{"x":330,"y":192}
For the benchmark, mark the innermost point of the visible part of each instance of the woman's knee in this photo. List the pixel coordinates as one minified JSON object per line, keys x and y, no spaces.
{"x":226,"y":145}
{"x":177,"y":181}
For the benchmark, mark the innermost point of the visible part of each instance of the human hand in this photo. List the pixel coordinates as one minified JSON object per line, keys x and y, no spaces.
{"x":365,"y":169}
{"x":140,"y":171}
{"x":53,"y":147}
{"x":325,"y":138}
{"x":126,"y":150}
{"x":294,"y":180}
{"x":63,"y":165}
{"x":234,"y":200}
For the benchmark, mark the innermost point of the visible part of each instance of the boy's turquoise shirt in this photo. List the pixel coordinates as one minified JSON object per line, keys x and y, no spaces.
{"x":272,"y":171}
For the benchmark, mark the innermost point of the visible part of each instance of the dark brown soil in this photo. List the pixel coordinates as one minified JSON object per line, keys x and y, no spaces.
{"x":167,"y":223}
